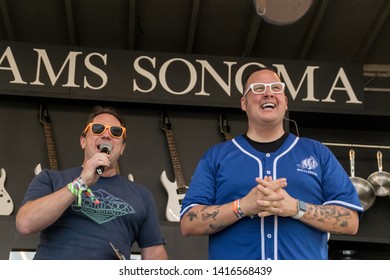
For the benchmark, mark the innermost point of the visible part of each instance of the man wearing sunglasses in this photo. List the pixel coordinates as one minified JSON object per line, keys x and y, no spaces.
{"x":84,"y":214}
{"x":268,"y":194}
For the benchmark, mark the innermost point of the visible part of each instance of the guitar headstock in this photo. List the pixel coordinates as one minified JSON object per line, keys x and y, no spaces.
{"x":224,"y":127}
{"x":43,"y":114}
{"x":223,"y":124}
{"x":165,"y":124}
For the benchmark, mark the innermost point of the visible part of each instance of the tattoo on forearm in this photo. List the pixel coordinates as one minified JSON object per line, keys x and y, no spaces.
{"x":338,"y":215}
{"x":217,"y":226}
{"x":192,"y":215}
{"x":206,"y":215}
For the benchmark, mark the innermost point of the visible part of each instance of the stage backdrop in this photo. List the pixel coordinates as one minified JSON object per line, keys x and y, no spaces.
{"x":176,"y":79}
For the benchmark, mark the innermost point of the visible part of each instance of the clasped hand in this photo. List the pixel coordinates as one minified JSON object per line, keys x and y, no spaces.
{"x":268,"y":198}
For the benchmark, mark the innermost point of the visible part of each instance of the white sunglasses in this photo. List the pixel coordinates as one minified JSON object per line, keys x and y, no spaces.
{"x":260,"y":88}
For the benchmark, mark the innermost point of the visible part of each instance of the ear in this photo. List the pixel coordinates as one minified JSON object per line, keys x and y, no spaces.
{"x":123,"y":148}
{"x":285,"y":97}
{"x":243,"y":103}
{"x":82,"y":142}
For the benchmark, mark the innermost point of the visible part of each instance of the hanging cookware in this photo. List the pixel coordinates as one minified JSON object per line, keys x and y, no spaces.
{"x":380,"y":180}
{"x":364,"y":189}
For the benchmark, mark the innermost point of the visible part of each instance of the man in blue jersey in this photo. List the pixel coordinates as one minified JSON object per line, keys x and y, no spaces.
{"x":269,"y":194}
{"x":89,"y":211}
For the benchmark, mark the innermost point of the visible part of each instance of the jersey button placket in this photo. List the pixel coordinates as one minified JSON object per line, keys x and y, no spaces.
{"x":269,"y":252}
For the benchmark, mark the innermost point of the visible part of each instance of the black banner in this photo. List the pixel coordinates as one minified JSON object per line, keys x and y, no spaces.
{"x":129,"y":76}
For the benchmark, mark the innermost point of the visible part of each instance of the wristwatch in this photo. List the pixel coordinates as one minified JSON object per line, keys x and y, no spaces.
{"x":80,"y":184}
{"x":301,"y":210}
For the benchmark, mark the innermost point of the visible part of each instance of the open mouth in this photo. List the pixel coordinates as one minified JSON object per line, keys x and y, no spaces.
{"x":268,"y":105}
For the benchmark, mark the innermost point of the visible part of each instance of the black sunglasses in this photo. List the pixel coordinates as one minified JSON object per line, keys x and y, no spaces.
{"x":116,"y":131}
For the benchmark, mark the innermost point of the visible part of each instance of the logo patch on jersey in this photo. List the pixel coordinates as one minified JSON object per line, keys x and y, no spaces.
{"x":308,"y":165}
{"x":108,"y":209}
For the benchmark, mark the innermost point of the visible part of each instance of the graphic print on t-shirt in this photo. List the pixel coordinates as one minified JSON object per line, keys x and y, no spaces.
{"x":109,"y":208}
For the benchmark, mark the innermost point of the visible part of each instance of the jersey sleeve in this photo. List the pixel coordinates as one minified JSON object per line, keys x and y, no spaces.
{"x":202,"y":186}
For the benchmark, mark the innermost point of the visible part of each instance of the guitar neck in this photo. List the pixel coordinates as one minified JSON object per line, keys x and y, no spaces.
{"x":175,"y":159}
{"x":50,"y":146}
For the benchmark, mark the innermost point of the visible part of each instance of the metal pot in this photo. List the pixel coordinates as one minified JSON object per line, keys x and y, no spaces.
{"x":380,"y":180}
{"x":364,"y":189}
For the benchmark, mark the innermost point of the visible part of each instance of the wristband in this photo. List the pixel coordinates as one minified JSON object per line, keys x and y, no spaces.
{"x":78,"y":187}
{"x":90,"y":194}
{"x":79,"y":184}
{"x":76,"y":191}
{"x":237,"y":209}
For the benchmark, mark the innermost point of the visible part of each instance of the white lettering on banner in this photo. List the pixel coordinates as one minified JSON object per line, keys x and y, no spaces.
{"x":309,"y":73}
{"x":205,"y":66}
{"x":12,"y":66}
{"x":225,"y":86}
{"x":163,"y":74}
{"x":307,"y":76}
{"x":144,"y":73}
{"x":319,"y":84}
{"x":95,"y":70}
{"x":42,"y":56}
{"x":347,"y":87}
{"x":71,"y":61}
{"x":192,"y":72}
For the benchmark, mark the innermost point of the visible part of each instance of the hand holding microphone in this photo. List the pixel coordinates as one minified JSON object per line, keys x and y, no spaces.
{"x":104,"y":148}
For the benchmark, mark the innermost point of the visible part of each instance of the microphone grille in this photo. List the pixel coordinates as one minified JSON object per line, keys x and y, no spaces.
{"x":105,"y":148}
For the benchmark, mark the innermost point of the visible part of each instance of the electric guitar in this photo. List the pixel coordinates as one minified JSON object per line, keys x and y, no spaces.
{"x":176,"y":190}
{"x":6,"y":203}
{"x":224,"y":127}
{"x":45,"y":120}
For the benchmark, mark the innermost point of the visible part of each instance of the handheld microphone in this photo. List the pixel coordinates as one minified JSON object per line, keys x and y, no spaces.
{"x":104,"y":148}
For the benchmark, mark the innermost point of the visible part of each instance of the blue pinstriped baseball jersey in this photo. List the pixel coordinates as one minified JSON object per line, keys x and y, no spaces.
{"x":227,"y":172}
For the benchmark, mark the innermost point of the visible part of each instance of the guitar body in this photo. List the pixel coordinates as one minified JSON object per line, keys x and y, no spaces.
{"x":175,"y":198}
{"x":6,"y":203}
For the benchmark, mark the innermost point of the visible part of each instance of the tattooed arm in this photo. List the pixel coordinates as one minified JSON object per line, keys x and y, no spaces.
{"x":332,"y":218}
{"x":206,"y":220}
{"x":328,"y":218}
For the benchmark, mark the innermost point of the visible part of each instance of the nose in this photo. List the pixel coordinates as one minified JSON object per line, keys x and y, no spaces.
{"x":268,"y":91}
{"x":106,"y":133}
